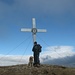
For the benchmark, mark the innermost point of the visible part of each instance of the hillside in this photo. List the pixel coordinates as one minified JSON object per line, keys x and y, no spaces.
{"x":42,"y":70}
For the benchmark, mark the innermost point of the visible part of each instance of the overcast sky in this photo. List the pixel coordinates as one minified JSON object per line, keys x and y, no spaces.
{"x":57,"y":16}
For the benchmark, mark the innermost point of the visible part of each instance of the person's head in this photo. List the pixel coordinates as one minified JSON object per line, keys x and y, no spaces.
{"x":35,"y":43}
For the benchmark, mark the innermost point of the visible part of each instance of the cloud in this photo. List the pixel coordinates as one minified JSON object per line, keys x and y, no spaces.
{"x":56,"y":55}
{"x":59,"y":55}
{"x":13,"y":60}
{"x":48,"y":6}
{"x":41,"y":6}
{"x":59,"y":51}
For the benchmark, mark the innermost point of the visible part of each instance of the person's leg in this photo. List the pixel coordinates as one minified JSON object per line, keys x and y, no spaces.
{"x":35,"y":59}
{"x":38,"y":59}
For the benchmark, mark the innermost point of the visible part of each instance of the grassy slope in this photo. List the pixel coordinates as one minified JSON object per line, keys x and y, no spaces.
{"x":42,"y":70}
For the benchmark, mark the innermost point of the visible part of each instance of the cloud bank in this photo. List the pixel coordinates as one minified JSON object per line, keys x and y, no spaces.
{"x":59,"y":55}
{"x":56,"y":55}
{"x":38,"y":6}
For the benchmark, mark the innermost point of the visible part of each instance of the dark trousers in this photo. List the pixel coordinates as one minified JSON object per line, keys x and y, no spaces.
{"x":36,"y":58}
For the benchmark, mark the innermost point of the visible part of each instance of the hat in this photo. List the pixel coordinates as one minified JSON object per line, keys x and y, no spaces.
{"x":35,"y":42}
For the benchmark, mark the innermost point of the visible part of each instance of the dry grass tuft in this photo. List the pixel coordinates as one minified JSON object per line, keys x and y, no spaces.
{"x":42,"y":70}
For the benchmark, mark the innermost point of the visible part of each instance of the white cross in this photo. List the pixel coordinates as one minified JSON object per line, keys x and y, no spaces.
{"x":34,"y":30}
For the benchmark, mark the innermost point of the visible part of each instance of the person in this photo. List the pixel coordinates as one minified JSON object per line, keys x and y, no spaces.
{"x":36,"y":49}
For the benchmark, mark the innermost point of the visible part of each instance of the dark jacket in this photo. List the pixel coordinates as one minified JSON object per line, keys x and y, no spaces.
{"x":37,"y":48}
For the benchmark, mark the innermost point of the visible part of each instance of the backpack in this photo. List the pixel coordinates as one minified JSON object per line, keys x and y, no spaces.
{"x":37,"y":48}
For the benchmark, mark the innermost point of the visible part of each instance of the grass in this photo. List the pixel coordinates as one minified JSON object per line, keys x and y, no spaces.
{"x":42,"y":70}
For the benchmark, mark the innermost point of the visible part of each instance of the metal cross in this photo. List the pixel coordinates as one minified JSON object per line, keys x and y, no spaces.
{"x":34,"y":30}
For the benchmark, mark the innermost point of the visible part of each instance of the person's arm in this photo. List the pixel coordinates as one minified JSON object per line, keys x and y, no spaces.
{"x":40,"y":48}
{"x":33,"y":49}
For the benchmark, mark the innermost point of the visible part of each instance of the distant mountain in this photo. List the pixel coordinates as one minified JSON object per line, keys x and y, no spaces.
{"x":66,"y":61}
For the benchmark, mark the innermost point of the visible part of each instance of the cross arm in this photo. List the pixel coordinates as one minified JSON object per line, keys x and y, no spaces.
{"x":41,"y":30}
{"x":26,"y":29}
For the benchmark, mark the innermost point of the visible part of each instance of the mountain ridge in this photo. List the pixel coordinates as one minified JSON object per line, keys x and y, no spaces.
{"x":44,"y":69}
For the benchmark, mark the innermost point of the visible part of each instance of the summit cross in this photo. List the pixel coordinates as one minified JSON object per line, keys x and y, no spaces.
{"x":34,"y":30}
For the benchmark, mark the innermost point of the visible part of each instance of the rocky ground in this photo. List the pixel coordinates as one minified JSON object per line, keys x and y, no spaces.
{"x":41,"y":70}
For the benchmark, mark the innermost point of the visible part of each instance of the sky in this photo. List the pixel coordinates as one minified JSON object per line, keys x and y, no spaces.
{"x":56,"y":16}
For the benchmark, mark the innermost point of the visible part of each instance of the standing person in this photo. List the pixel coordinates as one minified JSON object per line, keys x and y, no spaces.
{"x":36,"y":49}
